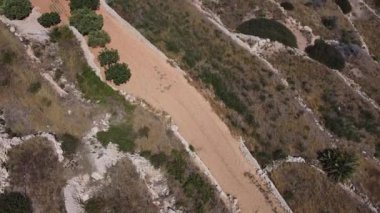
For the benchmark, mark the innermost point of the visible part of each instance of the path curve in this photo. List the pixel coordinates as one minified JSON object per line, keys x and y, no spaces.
{"x":166,"y":88}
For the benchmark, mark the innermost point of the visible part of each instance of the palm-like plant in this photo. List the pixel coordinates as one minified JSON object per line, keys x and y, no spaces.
{"x":339,"y":165}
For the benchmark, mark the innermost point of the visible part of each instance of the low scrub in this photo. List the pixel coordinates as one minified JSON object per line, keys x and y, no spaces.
{"x":326,"y":54}
{"x":287,"y":5}
{"x":16,"y":9}
{"x":268,"y":29}
{"x":339,"y":165}
{"x":98,"y":38}
{"x":15,"y":202}
{"x":86,"y":21}
{"x":123,"y":135}
{"x":49,"y":19}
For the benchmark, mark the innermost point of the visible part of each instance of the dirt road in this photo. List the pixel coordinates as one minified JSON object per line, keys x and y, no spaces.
{"x":165,"y":88}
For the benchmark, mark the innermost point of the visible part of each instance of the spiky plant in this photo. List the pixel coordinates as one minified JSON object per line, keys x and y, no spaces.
{"x":339,"y":165}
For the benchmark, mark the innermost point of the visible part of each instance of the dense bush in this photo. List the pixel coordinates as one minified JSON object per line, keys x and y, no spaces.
{"x":344,"y":5}
{"x":287,"y":5}
{"x":119,"y":73}
{"x":80,"y":4}
{"x":86,"y":21}
{"x":329,"y":22}
{"x":17,"y":9}
{"x":326,"y":54}
{"x":269,"y":29}
{"x":197,"y":188}
{"x":15,"y":202}
{"x":339,"y":165}
{"x":108,"y":57}
{"x":98,"y":38}
{"x":49,"y":19}
{"x":69,"y":144}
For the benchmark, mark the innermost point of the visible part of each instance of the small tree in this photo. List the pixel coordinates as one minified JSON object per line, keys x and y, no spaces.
{"x":98,"y":38}
{"x":119,"y":73}
{"x":17,"y":9}
{"x":86,"y":21}
{"x":49,"y":19}
{"x":108,"y":57}
{"x":338,"y":165}
{"x":80,"y":4}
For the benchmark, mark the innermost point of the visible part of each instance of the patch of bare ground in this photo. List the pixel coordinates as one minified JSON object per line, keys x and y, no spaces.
{"x":322,"y":195}
{"x":122,"y":192}
{"x":34,"y":169}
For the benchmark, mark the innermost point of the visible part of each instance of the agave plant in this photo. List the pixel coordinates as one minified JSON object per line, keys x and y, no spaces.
{"x":339,"y":165}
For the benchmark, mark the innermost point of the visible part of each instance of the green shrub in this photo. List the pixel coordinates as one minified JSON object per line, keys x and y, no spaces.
{"x":98,"y":38}
{"x":17,"y":9}
{"x":7,"y":56}
{"x":279,"y":154}
{"x":107,"y":57}
{"x":377,"y":151}
{"x":344,"y":5}
{"x":268,"y":29}
{"x":69,"y":144}
{"x":287,"y":5}
{"x":326,"y":54}
{"x":49,"y":19}
{"x":34,"y":87}
{"x":80,"y":4}
{"x":118,"y":73}
{"x":339,"y":165}
{"x":329,"y":22}
{"x":122,"y":135}
{"x":157,"y":160}
{"x":61,"y":34}
{"x":86,"y":21}
{"x":176,"y":166}
{"x":15,"y":202}
{"x":197,"y":188}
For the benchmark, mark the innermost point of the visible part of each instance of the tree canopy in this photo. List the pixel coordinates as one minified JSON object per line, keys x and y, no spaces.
{"x":98,"y":38}
{"x":86,"y":21}
{"x":80,"y":4}
{"x":49,"y":19}
{"x":119,"y":73}
{"x":108,"y":57}
{"x":17,"y":9}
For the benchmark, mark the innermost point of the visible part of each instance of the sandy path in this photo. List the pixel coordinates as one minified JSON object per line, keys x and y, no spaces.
{"x":166,"y":88}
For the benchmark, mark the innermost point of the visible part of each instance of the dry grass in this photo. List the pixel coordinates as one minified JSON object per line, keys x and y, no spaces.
{"x":321,"y":195}
{"x":42,"y":110}
{"x":125,"y":192}
{"x":35,"y":170}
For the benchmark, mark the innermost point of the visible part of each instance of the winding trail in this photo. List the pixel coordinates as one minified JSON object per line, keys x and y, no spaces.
{"x":165,"y":88}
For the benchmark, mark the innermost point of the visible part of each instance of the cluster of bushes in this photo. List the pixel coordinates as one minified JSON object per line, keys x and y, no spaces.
{"x":11,"y":202}
{"x":116,"y":72}
{"x":326,"y":54}
{"x":49,"y":19}
{"x":16,"y":9}
{"x":287,"y":5}
{"x":344,"y":5}
{"x":339,"y":165}
{"x":268,"y":29}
